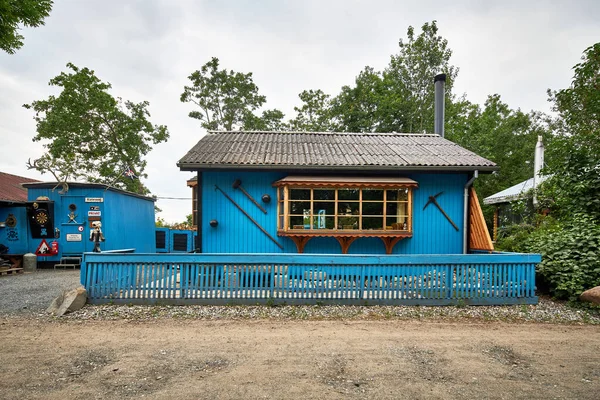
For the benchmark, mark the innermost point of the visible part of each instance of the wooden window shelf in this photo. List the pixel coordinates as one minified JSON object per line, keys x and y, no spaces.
{"x":346,"y":238}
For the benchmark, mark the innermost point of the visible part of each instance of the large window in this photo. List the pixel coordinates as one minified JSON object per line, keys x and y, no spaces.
{"x":361,"y":205}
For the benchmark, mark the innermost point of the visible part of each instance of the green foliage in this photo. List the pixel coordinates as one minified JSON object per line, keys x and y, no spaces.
{"x":91,"y":135}
{"x":271,"y":120}
{"x":575,"y":160}
{"x":225,"y":98}
{"x":514,"y":237}
{"x":315,"y":113}
{"x":570,"y":259}
{"x":400,"y":98}
{"x":13,"y":13}
{"x":569,"y":239}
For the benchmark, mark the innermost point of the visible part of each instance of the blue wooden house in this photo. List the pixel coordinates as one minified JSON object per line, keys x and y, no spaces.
{"x":65,"y":214}
{"x":336,"y":193}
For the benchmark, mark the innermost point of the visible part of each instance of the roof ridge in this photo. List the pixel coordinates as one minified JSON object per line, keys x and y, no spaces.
{"x":328,"y":133}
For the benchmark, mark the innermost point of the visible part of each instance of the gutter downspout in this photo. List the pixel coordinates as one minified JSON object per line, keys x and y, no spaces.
{"x":466,"y":210}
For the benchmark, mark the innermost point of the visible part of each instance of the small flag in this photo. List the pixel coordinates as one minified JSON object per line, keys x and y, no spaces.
{"x":129,"y":173}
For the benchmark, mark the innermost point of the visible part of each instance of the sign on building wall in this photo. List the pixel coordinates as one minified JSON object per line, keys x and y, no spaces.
{"x":94,"y":199}
{"x":73,"y":237}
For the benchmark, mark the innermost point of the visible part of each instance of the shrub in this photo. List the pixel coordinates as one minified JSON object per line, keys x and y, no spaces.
{"x":570,"y":259}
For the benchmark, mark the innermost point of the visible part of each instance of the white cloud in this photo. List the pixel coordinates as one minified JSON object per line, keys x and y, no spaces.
{"x":146,"y":49}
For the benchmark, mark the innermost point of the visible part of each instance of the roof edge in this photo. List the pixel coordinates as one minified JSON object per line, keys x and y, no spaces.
{"x":34,"y":185}
{"x":375,"y":168}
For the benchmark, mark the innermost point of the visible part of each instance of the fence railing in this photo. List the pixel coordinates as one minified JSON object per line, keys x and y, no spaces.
{"x":310,"y":279}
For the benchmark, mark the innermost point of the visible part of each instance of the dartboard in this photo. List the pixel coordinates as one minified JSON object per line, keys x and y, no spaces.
{"x":41,"y":217}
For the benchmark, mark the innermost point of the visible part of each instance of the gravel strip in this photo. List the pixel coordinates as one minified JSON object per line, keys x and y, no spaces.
{"x":546,"y":311}
{"x":29,"y":295}
{"x":32,"y":293}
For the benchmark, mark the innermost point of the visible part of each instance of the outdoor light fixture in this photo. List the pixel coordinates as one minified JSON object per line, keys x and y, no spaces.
{"x":266,"y":198}
{"x":214,"y":223}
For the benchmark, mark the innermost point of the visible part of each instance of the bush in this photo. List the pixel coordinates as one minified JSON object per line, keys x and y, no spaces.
{"x":514,"y":238}
{"x":570,"y":259}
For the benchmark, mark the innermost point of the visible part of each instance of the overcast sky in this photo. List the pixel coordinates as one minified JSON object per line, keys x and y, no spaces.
{"x":146,"y":49}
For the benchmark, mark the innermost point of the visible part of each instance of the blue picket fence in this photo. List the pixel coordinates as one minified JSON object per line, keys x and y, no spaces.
{"x":482,"y":279}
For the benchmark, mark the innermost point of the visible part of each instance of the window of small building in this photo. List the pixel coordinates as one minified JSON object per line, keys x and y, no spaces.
{"x":363,"y":205}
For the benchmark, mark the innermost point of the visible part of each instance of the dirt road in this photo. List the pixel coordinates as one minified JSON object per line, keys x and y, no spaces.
{"x":169,"y":358}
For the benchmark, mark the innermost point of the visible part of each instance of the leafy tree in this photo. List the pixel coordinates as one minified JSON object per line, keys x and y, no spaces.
{"x":91,"y":135}
{"x":271,"y":120}
{"x":29,"y":13}
{"x":409,"y":77}
{"x":400,"y":98}
{"x":225,"y":98}
{"x":314,"y":115}
{"x":361,"y":108}
{"x":575,"y":154}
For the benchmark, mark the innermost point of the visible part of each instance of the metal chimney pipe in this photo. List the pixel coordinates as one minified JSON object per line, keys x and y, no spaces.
{"x":538,"y":164}
{"x":438,"y":124}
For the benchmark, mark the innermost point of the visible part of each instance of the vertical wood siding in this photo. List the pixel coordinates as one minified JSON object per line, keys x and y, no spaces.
{"x":432,"y":233}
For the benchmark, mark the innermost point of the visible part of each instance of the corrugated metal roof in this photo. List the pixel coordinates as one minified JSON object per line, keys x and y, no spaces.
{"x":514,"y":192}
{"x":11,"y":189}
{"x":329,"y":150}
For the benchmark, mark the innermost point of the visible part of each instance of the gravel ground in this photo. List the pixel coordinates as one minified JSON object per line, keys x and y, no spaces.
{"x":30,"y":295}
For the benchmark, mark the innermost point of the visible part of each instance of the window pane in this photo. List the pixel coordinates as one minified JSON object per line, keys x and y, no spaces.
{"x":372,"y":208}
{"x":372,"y":194}
{"x":397,"y":194}
{"x":324,"y":194}
{"x":397,"y":223}
{"x":297,"y":222}
{"x":298,"y":207}
{"x":348,"y":208}
{"x":299,"y":194}
{"x":371,"y":223}
{"x":327,"y":207}
{"x":348,"y":194}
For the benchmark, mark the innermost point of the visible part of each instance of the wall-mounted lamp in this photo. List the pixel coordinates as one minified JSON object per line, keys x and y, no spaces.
{"x":214,"y":223}
{"x":266,"y":198}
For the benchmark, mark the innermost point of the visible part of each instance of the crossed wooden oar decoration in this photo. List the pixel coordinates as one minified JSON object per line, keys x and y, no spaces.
{"x":432,"y":199}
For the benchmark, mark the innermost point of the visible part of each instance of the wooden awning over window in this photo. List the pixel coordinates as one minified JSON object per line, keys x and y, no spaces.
{"x":345,"y":181}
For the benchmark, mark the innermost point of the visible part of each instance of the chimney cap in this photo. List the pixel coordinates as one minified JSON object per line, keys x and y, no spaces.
{"x":439,"y":77}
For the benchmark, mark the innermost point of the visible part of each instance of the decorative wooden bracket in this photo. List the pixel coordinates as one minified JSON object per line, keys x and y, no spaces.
{"x":300,"y":242}
{"x":345,"y":242}
{"x":390,"y":242}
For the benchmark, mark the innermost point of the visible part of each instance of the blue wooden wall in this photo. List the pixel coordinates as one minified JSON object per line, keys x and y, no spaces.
{"x":127,"y":221}
{"x":432,"y":233}
{"x":15,"y":238}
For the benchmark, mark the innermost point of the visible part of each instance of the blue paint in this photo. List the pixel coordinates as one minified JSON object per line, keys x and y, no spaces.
{"x":15,"y":238}
{"x":306,"y":278}
{"x":432,"y":233}
{"x":127,"y":219}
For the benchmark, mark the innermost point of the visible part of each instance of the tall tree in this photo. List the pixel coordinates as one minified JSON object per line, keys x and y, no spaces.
{"x":314,"y":115}
{"x":576,"y":149}
{"x":91,"y":135}
{"x":400,"y":98}
{"x":270,"y":120}
{"x":361,"y":108}
{"x":225,"y":98}
{"x":13,"y":13}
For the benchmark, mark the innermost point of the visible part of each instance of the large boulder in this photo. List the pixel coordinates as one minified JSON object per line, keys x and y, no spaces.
{"x":68,"y":301}
{"x":592,"y":295}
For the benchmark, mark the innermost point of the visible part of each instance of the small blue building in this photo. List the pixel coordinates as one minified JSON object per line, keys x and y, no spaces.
{"x":332,"y":193}
{"x":65,"y":215}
